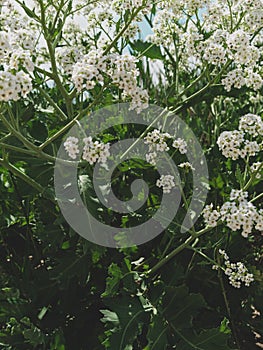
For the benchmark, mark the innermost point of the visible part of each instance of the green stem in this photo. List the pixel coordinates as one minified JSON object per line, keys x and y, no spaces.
{"x":16,"y":149}
{"x":256,"y":198}
{"x":45,"y":72}
{"x":120,"y":34}
{"x":29,"y":145}
{"x":18,"y":135}
{"x":252,"y":178}
{"x":51,"y":51}
{"x":179,"y":249}
{"x":14,"y":170}
{"x":51,"y":101}
{"x":199,"y":92}
{"x":227,"y":306}
{"x":193,"y":346}
{"x":72,"y":122}
{"x":12,"y":117}
{"x":143,"y":134}
{"x":213,"y":262}
{"x":5,"y":137}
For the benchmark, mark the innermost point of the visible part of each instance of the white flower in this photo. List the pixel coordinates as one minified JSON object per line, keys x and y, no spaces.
{"x":252,"y":124}
{"x":229,"y":142}
{"x":71,"y":147}
{"x":236,"y":272}
{"x":181,"y":145}
{"x":186,"y":166}
{"x":211,"y":216}
{"x":166,"y":182}
{"x":95,"y":151}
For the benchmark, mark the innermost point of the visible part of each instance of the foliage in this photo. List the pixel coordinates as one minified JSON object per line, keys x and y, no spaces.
{"x":61,"y":292}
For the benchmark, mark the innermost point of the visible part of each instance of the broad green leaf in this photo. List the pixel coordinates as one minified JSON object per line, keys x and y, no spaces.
{"x":147,"y":49}
{"x":210,"y":339}
{"x":132,"y":316}
{"x":157,"y":338}
{"x":179,"y":307}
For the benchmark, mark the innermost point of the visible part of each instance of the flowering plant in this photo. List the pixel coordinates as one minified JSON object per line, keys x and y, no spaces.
{"x":196,"y":285}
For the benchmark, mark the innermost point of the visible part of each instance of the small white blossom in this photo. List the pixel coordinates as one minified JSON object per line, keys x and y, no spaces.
{"x":181,"y":145}
{"x":95,"y":151}
{"x":166,"y":182}
{"x":211,"y":216}
{"x":71,"y":147}
{"x":237,"y":272}
{"x":186,"y":166}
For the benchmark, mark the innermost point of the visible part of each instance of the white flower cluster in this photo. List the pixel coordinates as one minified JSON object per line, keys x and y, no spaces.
{"x":163,"y":28}
{"x":87,"y":72}
{"x":239,"y":77}
{"x":215,"y":53}
{"x":93,"y":151}
{"x":124,"y":73}
{"x":157,"y":142}
{"x":13,"y":86}
{"x":211,"y":216}
{"x":166,"y":182}
{"x":123,"y":5}
{"x":71,"y":146}
{"x":181,"y":145}
{"x":238,"y":213}
{"x":234,"y":144}
{"x":187,"y":166}
{"x":236,"y":272}
{"x":216,"y":43}
{"x":120,"y":68}
{"x":105,"y":14}
{"x":67,"y":57}
{"x":251,"y":124}
{"x":16,"y":41}
{"x":246,"y":57}
{"x":98,"y":16}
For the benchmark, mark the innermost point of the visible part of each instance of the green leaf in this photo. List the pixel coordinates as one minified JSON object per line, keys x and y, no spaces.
{"x":157,"y":334}
{"x":112,"y":282}
{"x":27,"y":10}
{"x":224,"y":326}
{"x":132,"y":316}
{"x":208,"y":340}
{"x":147,"y":49}
{"x":34,"y":335}
{"x":110,"y":316}
{"x":180,"y":307}
{"x":239,"y":175}
{"x":65,"y":245}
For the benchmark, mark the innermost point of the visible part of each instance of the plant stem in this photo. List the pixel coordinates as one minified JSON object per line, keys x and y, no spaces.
{"x":257,"y":197}
{"x":14,"y":170}
{"x":227,"y":306}
{"x":252,"y":178}
{"x":51,"y":51}
{"x":29,"y":145}
{"x":72,"y":122}
{"x":177,"y":250}
{"x":16,"y":149}
{"x":119,"y":35}
{"x":143,"y":134}
{"x":61,"y":114}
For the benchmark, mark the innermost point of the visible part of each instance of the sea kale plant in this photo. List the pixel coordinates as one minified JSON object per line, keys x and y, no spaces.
{"x":195,"y":285}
